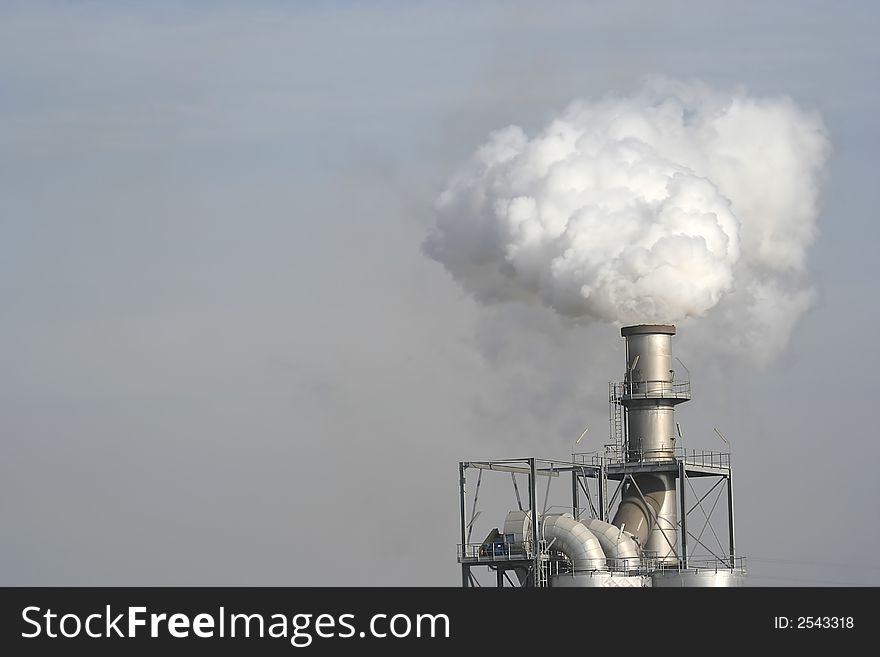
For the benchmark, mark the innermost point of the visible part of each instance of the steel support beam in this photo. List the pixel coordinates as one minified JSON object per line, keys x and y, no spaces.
{"x":501,"y":467}
{"x":731,"y":530}
{"x":682,"y":474}
{"x":470,"y":524}
{"x":465,"y":571}
{"x":533,"y":507}
{"x":516,"y":491}
{"x":597,"y":513}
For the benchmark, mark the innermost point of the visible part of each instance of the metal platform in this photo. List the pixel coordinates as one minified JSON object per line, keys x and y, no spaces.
{"x":618,"y":463}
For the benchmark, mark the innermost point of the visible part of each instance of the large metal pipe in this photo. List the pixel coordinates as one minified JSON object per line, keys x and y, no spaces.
{"x":649,"y":395}
{"x":620,"y":549}
{"x":574,"y":540}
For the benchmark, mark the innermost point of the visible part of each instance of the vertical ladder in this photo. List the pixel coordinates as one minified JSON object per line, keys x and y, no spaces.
{"x":615,"y":418}
{"x":541,"y":574}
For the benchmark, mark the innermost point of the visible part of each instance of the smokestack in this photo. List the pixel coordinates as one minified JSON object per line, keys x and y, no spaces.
{"x":649,"y":394}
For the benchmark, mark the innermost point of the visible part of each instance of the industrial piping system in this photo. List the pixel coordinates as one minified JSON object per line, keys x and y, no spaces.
{"x":647,"y":542}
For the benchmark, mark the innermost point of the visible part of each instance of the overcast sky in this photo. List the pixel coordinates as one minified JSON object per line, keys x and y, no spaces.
{"x":225,"y":359}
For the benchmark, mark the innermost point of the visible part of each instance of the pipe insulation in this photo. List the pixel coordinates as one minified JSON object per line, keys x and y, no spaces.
{"x":621,"y":551}
{"x":574,"y":540}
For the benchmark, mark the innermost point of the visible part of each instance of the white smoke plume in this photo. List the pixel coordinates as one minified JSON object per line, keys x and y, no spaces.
{"x":656,"y":206}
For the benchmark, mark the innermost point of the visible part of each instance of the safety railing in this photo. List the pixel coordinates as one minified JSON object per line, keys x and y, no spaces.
{"x":707,"y":563}
{"x":618,"y":455}
{"x":626,"y":390}
{"x":647,"y":564}
{"x":706,"y":458}
{"x":489,"y":552}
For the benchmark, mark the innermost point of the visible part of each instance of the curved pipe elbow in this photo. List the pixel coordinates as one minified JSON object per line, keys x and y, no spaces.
{"x":620,"y":549}
{"x":575,"y":541}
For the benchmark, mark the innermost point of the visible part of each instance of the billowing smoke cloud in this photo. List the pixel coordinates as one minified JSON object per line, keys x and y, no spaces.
{"x":652,"y":207}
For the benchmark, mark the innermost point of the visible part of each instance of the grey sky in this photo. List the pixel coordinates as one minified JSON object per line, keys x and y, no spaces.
{"x":226,"y":360}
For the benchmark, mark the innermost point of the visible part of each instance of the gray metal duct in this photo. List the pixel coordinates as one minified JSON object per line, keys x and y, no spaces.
{"x":519,"y":524}
{"x":574,"y":540}
{"x":620,"y":549}
{"x":646,"y":506}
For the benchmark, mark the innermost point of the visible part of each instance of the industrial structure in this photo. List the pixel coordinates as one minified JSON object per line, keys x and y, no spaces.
{"x":655,"y":528}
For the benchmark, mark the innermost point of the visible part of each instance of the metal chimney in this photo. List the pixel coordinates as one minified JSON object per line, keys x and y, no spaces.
{"x":649,"y":394}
